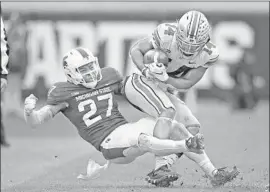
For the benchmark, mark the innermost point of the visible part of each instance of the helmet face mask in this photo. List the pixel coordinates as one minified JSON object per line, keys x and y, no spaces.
{"x":81,"y":67}
{"x":90,"y":73}
{"x":192,"y":33}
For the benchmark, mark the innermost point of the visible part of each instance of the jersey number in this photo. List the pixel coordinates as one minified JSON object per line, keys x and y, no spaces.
{"x":93,"y":109}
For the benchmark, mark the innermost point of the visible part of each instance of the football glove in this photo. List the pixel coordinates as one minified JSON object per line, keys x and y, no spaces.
{"x":158,"y":70}
{"x":30,"y":104}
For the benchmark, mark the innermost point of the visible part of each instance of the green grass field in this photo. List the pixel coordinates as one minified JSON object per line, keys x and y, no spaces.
{"x":50,"y":158}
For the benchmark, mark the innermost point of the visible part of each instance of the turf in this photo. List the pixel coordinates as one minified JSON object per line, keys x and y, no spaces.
{"x":50,"y":158}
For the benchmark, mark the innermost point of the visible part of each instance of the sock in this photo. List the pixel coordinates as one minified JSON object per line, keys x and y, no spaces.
{"x":165,"y":160}
{"x":208,"y":168}
{"x":204,"y":162}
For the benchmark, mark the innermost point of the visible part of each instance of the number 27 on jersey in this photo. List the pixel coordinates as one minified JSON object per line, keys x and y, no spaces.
{"x":93,"y":109}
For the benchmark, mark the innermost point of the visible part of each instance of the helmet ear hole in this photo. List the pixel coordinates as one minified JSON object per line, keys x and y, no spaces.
{"x":65,"y":64}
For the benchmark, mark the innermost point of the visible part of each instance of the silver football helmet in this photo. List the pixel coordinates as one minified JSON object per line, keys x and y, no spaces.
{"x":82,"y":67}
{"x":193,"y":32}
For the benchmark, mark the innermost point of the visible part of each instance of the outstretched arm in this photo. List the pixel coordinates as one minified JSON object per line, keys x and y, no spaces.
{"x":36,"y":117}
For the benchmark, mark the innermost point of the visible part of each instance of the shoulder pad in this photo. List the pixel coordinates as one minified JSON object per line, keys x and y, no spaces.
{"x":163,"y":35}
{"x":57,"y":93}
{"x":211,"y":54}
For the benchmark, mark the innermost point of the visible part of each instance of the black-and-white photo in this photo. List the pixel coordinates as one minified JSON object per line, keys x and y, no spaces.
{"x":134,"y":96}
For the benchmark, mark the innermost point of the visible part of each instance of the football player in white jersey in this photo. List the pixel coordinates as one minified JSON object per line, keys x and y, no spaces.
{"x":190,"y":51}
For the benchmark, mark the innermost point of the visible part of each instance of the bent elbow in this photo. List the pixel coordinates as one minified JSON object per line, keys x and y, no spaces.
{"x":134,"y":51}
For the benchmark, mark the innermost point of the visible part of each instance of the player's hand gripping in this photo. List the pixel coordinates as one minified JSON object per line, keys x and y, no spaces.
{"x":156,"y":70}
{"x":30,"y":104}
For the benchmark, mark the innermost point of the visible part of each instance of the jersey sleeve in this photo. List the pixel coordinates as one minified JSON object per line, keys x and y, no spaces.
{"x":55,"y":95}
{"x":113,"y":75}
{"x":116,"y":80}
{"x":162,"y":36}
{"x":211,"y":54}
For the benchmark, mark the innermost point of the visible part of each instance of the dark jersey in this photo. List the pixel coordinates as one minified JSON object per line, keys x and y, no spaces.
{"x":94,"y":112}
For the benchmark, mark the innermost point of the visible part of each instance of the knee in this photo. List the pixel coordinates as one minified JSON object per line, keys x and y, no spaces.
{"x":193,"y":129}
{"x":168,"y":113}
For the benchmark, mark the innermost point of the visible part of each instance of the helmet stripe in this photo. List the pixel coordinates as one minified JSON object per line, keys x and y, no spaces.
{"x":198,"y":24}
{"x":156,"y":38}
{"x":194,"y":24}
{"x":82,"y":52}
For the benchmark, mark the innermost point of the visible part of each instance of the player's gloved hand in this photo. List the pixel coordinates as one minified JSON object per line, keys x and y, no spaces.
{"x":3,"y":84}
{"x":147,"y":73}
{"x":30,"y":104}
{"x":158,"y":70}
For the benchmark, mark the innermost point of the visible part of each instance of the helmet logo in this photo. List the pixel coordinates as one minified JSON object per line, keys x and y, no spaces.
{"x":82,"y":52}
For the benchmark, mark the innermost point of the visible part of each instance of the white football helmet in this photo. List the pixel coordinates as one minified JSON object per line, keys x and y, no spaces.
{"x":193,"y":32}
{"x":82,"y":67}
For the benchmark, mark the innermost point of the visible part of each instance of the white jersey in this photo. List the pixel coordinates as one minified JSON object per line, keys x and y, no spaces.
{"x":163,"y":38}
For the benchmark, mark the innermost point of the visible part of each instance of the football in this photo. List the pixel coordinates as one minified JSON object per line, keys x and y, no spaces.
{"x":160,"y":56}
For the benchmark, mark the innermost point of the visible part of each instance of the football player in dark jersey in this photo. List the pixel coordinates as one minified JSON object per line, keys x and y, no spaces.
{"x":87,"y":99}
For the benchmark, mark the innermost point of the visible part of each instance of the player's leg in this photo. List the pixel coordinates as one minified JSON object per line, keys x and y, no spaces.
{"x":217,"y":176}
{"x":162,"y":147}
{"x":184,"y":116}
{"x":151,"y":99}
{"x":201,"y":159}
{"x":131,"y":140}
{"x":134,"y":139}
{"x":145,"y":94}
{"x":117,"y":148}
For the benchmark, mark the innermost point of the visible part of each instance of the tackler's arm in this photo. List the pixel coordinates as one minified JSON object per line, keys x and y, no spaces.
{"x":36,"y":117}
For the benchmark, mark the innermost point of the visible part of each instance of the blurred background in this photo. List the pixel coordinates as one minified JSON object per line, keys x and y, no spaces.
{"x":40,"y":33}
{"x":230,"y":100}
